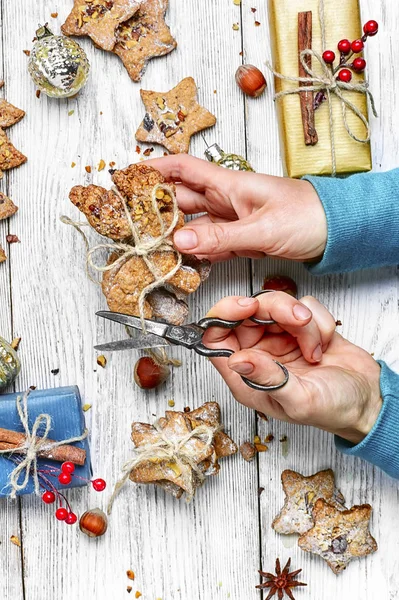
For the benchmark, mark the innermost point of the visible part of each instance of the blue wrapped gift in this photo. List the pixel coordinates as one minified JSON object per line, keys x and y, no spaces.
{"x":67,"y":421}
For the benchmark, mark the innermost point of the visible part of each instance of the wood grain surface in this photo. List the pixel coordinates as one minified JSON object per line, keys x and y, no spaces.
{"x":212,"y":548}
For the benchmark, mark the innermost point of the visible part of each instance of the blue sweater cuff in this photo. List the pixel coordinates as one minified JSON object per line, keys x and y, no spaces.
{"x":381,"y":446}
{"x":363,"y":221}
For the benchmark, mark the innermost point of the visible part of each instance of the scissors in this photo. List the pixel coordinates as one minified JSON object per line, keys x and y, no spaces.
{"x":160,"y":334}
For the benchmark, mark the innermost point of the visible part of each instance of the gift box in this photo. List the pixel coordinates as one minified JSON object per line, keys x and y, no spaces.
{"x":341,"y":21}
{"x":64,"y":407}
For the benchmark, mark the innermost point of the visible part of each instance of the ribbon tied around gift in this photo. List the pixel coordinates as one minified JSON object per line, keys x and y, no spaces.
{"x":33,"y":444}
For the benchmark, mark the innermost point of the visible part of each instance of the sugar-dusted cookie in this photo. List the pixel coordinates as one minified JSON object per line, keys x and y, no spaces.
{"x":339,"y":536}
{"x":99,"y":19}
{"x":3,"y":256}
{"x":173,"y":117}
{"x":301,"y":493}
{"x":7,"y":207}
{"x":196,"y":456}
{"x":10,"y":157}
{"x":9,"y":114}
{"x":144,"y":36}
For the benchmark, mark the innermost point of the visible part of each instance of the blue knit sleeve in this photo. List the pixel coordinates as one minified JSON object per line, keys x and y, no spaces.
{"x":363,"y":221}
{"x":381,"y":446}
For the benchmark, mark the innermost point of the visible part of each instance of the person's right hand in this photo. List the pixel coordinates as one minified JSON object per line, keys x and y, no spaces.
{"x":248,"y":214}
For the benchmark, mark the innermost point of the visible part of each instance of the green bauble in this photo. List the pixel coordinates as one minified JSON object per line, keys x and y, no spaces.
{"x":229,"y":161}
{"x":58,"y":65}
{"x":9,"y":364}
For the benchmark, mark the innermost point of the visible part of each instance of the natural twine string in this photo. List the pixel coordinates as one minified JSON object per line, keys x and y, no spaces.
{"x":32,"y":446}
{"x":167,"y":450}
{"x":142,"y":248}
{"x":326,"y":82}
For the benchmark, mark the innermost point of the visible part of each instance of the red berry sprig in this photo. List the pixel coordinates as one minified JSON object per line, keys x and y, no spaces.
{"x":346,"y":48}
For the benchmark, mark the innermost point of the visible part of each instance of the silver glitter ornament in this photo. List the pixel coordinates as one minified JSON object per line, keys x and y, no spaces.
{"x":229,"y":161}
{"x":58,"y":65}
{"x":9,"y":364}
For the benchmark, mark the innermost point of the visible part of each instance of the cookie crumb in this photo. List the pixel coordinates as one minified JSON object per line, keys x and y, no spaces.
{"x":54,"y":15}
{"x":88,"y":169}
{"x":27,"y":52}
{"x":102,"y":361}
{"x":15,"y":343}
{"x":38,"y":93}
{"x":130,"y":574}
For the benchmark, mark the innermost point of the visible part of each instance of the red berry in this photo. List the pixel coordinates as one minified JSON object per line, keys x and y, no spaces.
{"x":370,"y":28}
{"x":357,"y":46}
{"x":64,"y":478}
{"x":359,"y":64}
{"x":329,"y":56}
{"x":48,"y":497}
{"x":71,"y":518}
{"x":344,"y":46}
{"x":345,"y":75}
{"x":61,"y":513}
{"x":67,"y":467}
{"x":99,"y":485}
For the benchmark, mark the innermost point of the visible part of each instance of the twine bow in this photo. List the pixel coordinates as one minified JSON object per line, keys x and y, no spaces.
{"x":32,"y":446}
{"x":327,"y":83}
{"x":167,"y":450}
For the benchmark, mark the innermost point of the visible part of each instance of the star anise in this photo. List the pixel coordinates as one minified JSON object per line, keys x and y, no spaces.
{"x":280,"y":582}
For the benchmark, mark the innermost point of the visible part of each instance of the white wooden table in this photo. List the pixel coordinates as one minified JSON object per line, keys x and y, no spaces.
{"x":212,"y":548}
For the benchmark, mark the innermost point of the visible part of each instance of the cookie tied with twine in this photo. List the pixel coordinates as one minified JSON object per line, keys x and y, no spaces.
{"x":34,"y":446}
{"x":178,"y":452}
{"x":140,"y":214}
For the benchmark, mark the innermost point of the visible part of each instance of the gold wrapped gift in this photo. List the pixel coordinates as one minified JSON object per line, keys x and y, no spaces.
{"x":341,"y":20}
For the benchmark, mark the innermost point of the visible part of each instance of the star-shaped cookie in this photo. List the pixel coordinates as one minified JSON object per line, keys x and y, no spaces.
{"x":301,"y":493}
{"x":143,"y":37}
{"x":339,"y":536}
{"x":178,"y":477}
{"x":99,"y":19}
{"x":10,"y":157}
{"x":7,"y":207}
{"x":9,"y":114}
{"x":173,"y":117}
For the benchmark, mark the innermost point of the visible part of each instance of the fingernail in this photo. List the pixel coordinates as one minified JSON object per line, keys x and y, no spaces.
{"x":246,"y":301}
{"x":186,"y":239}
{"x":317,"y":354}
{"x":242,"y":368}
{"x":301,"y":312}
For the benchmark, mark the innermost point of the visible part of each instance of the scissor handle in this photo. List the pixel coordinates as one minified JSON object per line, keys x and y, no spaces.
{"x":262,"y":321}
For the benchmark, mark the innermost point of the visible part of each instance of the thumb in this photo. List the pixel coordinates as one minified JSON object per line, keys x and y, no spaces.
{"x":217,"y":238}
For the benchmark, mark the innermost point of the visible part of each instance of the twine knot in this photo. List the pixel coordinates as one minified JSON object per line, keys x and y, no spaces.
{"x":166,"y":449}
{"x":32,"y":446}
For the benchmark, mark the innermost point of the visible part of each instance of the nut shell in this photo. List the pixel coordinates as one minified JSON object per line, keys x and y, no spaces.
{"x":93,"y":523}
{"x":250,"y":80}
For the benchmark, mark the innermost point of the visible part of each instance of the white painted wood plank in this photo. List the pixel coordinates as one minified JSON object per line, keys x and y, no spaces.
{"x":367,"y":304}
{"x":178,"y":551}
{"x":10,"y":555}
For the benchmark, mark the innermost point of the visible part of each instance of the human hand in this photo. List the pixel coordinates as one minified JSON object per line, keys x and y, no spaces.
{"x":248,"y":214}
{"x":333,"y":384}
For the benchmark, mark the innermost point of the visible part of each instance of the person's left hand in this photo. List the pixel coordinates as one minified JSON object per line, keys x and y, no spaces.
{"x":333,"y":384}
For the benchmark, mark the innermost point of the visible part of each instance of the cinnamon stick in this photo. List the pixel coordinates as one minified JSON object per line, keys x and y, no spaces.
{"x":12,"y":440}
{"x":306,"y":98}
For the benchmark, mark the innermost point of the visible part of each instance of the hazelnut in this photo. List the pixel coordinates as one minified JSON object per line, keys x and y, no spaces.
{"x":93,"y":523}
{"x":250,"y":80}
{"x":281,"y":283}
{"x":148,"y":374}
{"x":248,"y":451}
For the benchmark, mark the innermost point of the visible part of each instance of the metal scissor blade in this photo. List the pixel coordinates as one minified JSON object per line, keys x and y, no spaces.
{"x":137,"y":343}
{"x":154,"y":327}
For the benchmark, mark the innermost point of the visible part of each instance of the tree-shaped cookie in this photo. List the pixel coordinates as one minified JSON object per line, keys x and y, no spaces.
{"x":173,"y":117}
{"x":144,"y":36}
